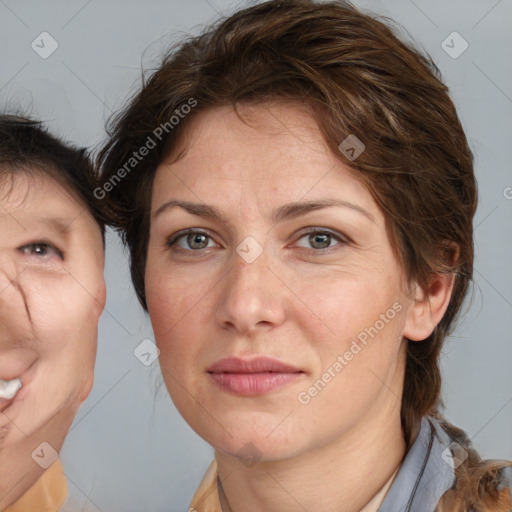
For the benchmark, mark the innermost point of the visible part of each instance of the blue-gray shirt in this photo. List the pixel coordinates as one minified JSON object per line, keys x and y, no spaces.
{"x":428,"y":471}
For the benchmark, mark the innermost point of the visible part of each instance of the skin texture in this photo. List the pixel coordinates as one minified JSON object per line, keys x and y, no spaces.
{"x":300,"y":301}
{"x":51,"y":298}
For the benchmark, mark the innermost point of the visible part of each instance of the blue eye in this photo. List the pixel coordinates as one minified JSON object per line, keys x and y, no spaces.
{"x":41,"y":250}
{"x":318,"y":239}
{"x":321,"y":239}
{"x":191,"y":241}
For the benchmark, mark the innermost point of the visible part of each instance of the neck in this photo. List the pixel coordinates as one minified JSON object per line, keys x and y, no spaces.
{"x":344,"y":474}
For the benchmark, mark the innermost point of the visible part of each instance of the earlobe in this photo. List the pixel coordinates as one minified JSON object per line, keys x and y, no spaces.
{"x":429,"y":306}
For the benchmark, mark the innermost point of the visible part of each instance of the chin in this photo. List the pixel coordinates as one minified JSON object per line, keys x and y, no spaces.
{"x":258,"y":450}
{"x":244,"y":439}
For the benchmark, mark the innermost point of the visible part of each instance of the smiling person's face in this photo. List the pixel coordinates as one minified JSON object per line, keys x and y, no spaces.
{"x":275,"y":250}
{"x":52,"y":293}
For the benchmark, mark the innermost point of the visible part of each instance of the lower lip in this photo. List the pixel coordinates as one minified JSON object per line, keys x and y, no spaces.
{"x":251,"y":384}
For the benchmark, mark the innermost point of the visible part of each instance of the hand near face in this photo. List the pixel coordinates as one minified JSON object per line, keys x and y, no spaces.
{"x":52,"y":293}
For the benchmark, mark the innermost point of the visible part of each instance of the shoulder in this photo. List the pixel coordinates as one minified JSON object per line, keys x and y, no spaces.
{"x":480,"y":485}
{"x":46,"y":495}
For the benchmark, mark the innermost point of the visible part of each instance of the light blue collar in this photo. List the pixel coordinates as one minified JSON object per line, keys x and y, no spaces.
{"x":425,"y":474}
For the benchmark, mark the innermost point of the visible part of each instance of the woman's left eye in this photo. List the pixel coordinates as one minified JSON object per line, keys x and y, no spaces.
{"x":41,"y":250}
{"x":321,"y":239}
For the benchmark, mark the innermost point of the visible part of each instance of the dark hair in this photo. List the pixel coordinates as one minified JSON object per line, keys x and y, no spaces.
{"x":356,"y":77}
{"x":28,"y":147}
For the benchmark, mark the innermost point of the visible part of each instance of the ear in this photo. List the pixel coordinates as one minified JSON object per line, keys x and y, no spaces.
{"x":429,"y":307}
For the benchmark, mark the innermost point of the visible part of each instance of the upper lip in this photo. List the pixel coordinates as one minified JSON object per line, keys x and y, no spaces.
{"x":254,"y":365}
{"x":11,"y":376}
{"x":18,"y":369}
{"x":17,"y":373}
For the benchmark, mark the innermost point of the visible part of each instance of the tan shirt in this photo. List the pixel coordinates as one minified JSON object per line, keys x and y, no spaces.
{"x":206,"y":498}
{"x":46,"y":495}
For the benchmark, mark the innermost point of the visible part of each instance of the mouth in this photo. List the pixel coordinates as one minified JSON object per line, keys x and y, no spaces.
{"x":15,"y":384}
{"x":9,"y":388}
{"x":8,"y":391}
{"x":256,"y":376}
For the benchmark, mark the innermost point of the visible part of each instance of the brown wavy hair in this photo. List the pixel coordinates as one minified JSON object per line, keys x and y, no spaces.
{"x":356,"y":77}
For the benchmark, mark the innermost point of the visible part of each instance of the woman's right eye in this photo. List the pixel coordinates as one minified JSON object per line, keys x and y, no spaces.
{"x":191,"y":241}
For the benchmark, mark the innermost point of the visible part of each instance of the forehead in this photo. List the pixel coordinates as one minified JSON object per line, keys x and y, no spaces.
{"x":273,"y":152}
{"x":34,"y":195}
{"x":30,"y":187}
{"x":222,"y":130}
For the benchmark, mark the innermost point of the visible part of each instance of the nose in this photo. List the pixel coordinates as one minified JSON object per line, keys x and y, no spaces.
{"x":252,"y":297}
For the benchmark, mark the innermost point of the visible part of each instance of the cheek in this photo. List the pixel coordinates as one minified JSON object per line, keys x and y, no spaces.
{"x":99,"y":296}
{"x":173,"y":301}
{"x":86,"y":388}
{"x":161,"y":308}
{"x":355,"y":325}
{"x":345,"y":305}
{"x":178,"y":320}
{"x":170,"y":325}
{"x":65,"y":314}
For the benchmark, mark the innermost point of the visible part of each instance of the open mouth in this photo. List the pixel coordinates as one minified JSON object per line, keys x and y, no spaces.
{"x":15,"y":382}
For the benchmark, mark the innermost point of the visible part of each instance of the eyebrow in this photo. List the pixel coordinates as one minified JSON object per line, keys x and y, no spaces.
{"x":287,"y":211}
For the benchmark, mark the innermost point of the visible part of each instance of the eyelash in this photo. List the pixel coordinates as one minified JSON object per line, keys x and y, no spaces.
{"x":47,"y":246}
{"x":341,"y":239}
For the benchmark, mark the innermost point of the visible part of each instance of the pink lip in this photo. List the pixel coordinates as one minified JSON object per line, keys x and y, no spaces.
{"x":13,"y":374}
{"x":252,"y":377}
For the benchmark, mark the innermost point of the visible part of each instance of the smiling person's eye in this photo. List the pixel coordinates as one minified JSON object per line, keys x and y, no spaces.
{"x":41,"y":250}
{"x":321,"y":238}
{"x":190,"y":240}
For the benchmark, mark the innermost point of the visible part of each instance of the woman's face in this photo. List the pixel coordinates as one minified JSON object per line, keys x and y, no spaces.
{"x":288,"y":260}
{"x":52,"y":293}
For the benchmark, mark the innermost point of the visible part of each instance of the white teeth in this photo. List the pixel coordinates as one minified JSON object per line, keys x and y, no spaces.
{"x":9,"y":388}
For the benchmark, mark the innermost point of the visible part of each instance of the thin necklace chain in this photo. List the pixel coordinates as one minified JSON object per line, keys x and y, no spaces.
{"x":222,"y":497}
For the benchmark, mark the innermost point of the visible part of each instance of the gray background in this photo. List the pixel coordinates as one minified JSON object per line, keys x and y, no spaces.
{"x":129,"y":450}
